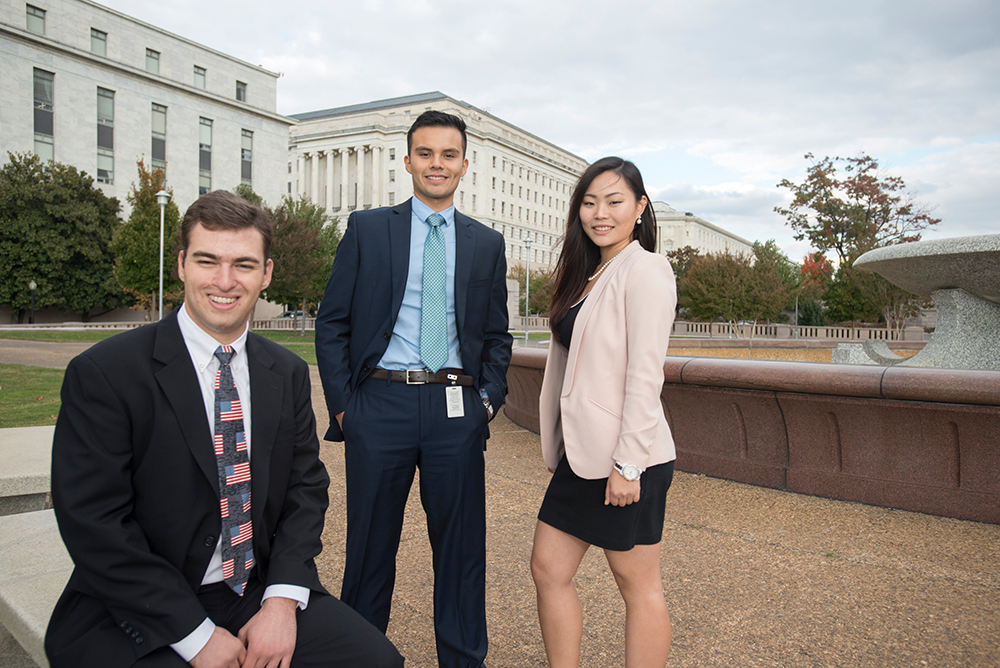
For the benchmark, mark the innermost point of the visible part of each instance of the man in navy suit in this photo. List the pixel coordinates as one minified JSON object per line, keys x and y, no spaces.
{"x":413,"y":350}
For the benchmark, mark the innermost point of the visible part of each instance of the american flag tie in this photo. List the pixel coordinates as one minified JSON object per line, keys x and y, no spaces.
{"x":234,"y":476}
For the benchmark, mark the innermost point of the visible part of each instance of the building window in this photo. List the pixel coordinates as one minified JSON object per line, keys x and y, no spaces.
{"x":204,"y":156}
{"x":152,"y":61}
{"x":159,"y":148}
{"x":461,"y":198}
{"x":494,"y":183}
{"x":246,"y":158}
{"x":494,"y":209}
{"x":241,"y":91}
{"x":98,"y":42}
{"x":36,"y":19}
{"x":473,"y":202}
{"x":494,"y":162}
{"x":392,"y":199}
{"x":44,"y":123}
{"x":105,"y":135}
{"x":392,"y":154}
{"x":392,"y":176}
{"x":199,"y":77}
{"x":473,"y":157}
{"x":503,"y":207}
{"x":473,"y":178}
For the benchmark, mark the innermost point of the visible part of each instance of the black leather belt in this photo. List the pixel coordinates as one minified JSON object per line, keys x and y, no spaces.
{"x":423,"y":376}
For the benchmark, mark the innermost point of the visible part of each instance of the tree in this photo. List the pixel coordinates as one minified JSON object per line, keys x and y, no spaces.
{"x":543,"y":285}
{"x":815,"y":275}
{"x":851,"y":206}
{"x":681,"y":259}
{"x":55,"y":229}
{"x":137,"y":242}
{"x":729,"y":286}
{"x":853,"y":211}
{"x":771,"y":260}
{"x":303,"y":249}
{"x":246,"y":192}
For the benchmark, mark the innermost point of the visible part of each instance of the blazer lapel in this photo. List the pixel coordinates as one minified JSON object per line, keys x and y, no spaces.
{"x":399,"y":224}
{"x":180,"y":385}
{"x":465,"y":251}
{"x":265,"y":404}
{"x":587,"y":310}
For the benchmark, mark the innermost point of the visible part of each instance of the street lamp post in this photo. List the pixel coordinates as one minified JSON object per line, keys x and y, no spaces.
{"x":162,"y":197}
{"x":31,"y":286}
{"x":527,"y":287}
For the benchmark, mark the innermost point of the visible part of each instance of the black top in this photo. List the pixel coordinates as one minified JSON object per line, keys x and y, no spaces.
{"x":565,"y":326}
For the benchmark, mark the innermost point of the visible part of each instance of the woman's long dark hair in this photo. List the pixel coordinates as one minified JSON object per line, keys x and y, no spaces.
{"x":580,"y":256}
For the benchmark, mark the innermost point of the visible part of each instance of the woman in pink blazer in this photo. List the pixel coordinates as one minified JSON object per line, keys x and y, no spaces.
{"x":603,"y":431}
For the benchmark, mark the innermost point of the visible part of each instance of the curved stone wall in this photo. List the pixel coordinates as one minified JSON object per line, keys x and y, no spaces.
{"x":926,"y":440}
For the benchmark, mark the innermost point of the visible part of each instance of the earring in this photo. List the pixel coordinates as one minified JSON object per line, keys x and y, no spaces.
{"x":638,"y":221}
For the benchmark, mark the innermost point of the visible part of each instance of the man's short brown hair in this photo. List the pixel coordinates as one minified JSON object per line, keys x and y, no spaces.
{"x":223,"y":210}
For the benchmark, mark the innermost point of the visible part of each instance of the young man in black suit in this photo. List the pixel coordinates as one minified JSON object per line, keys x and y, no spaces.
{"x":187,"y":483}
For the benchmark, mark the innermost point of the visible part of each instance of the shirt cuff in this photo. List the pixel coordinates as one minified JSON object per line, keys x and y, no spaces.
{"x":294,"y":592}
{"x":189,"y":646}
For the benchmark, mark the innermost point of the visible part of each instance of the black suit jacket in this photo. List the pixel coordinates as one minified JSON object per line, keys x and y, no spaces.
{"x":135,"y":490}
{"x":365,"y":292}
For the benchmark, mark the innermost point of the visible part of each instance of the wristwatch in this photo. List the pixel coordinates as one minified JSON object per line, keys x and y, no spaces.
{"x":486,"y":403}
{"x":630,"y":472}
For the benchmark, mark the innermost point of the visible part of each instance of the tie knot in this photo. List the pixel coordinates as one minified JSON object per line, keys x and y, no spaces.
{"x":224,"y":354}
{"x":435,"y":220}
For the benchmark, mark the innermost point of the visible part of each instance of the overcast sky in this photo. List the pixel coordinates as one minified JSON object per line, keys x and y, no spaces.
{"x":715,"y":101}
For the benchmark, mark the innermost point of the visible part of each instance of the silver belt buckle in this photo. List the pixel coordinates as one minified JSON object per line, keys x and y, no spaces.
{"x":415,"y":382}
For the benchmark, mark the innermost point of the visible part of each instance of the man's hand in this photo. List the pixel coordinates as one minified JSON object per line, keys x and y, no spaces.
{"x":620,"y":492}
{"x":269,"y":636}
{"x":340,"y":421}
{"x":221,"y":651}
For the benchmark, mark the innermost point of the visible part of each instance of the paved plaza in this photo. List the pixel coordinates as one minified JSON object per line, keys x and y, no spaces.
{"x":753,"y":576}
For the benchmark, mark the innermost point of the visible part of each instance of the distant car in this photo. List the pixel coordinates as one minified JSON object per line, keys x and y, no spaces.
{"x":291,"y":314}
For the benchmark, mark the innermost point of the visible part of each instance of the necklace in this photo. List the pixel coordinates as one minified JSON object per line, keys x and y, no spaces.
{"x":604,"y":266}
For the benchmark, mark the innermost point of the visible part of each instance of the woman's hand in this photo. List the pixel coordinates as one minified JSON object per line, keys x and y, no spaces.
{"x":620,"y":492}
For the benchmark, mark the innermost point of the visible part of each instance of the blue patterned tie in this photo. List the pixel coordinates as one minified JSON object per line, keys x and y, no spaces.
{"x":433,"y":307}
{"x":233,"y":462}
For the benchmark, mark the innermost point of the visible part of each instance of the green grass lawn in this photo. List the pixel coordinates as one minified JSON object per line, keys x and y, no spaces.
{"x":58,"y":335}
{"x":29,"y":395}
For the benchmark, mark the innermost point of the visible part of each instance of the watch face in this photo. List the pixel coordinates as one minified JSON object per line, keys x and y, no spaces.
{"x":630,"y":472}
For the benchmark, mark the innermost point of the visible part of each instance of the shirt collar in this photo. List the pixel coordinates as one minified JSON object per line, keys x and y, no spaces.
{"x":201,"y":345}
{"x":421,"y":211}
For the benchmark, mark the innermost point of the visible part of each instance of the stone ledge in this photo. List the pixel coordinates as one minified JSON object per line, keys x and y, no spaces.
{"x":35,"y":570}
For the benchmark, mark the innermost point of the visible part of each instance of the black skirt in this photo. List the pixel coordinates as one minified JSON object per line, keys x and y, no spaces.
{"x":575,"y":505}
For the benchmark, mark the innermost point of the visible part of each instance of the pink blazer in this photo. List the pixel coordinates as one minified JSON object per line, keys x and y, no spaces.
{"x":600,"y":401}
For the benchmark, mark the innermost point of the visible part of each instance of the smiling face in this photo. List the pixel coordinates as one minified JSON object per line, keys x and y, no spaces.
{"x":608,"y":213}
{"x":223,"y":273}
{"x":437,"y":165}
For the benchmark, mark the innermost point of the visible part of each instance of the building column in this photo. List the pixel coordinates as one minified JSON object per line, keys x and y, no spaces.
{"x":298,"y":172}
{"x":314,"y":178}
{"x":345,"y":198}
{"x":361,"y":177}
{"x":330,"y":195}
{"x":377,"y":186}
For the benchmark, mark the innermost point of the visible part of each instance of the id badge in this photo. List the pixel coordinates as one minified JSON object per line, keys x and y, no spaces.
{"x":455,"y":401}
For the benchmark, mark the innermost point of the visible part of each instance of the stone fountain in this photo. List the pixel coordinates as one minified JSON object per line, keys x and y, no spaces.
{"x":962,"y":276}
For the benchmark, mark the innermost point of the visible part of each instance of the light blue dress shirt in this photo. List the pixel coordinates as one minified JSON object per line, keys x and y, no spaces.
{"x":403,"y":351}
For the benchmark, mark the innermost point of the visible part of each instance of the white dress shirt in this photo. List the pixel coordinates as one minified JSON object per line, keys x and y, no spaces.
{"x":201,"y":347}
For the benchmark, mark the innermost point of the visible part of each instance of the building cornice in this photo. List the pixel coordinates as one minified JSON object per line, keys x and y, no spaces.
{"x":43,"y":42}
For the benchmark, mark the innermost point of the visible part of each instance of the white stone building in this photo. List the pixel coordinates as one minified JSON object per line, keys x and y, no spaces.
{"x":516,"y":183}
{"x":678,"y":229}
{"x":91,"y":87}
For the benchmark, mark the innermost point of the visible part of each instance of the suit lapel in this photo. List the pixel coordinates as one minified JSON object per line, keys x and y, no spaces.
{"x":265,"y":406}
{"x":465,"y":251}
{"x":399,"y":224}
{"x":587,"y":310}
{"x":180,"y":385}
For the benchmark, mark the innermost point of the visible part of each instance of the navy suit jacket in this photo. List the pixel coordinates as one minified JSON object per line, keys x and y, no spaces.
{"x":136,"y":491}
{"x":365,"y":292}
